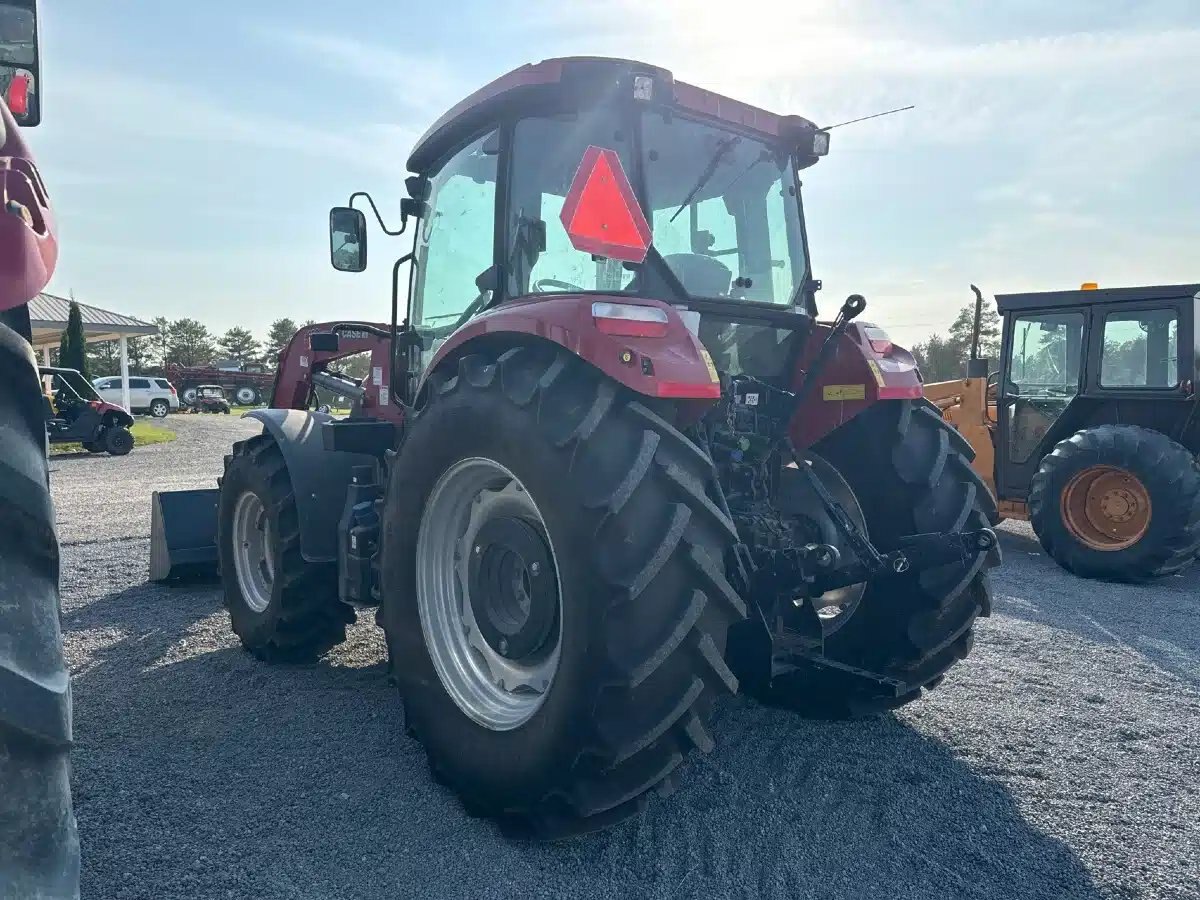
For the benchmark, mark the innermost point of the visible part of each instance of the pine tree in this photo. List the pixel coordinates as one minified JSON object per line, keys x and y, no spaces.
{"x":282,"y":331}
{"x":190,"y":343}
{"x":159,"y":344}
{"x":238,"y":343}
{"x":72,"y":349}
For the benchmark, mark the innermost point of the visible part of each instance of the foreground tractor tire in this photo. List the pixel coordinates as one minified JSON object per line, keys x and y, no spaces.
{"x":1118,"y":502}
{"x":283,"y":608}
{"x":911,"y":473}
{"x":39,"y":845}
{"x":554,"y":593}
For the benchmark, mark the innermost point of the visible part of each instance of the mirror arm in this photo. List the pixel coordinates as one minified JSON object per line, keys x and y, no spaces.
{"x":378,"y":217}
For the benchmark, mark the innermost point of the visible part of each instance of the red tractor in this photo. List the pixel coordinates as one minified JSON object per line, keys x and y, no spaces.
{"x":609,"y":465}
{"x":39,"y":847}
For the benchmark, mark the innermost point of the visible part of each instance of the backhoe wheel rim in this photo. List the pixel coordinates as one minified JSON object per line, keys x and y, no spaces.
{"x":252,"y":560}
{"x":498,"y":672}
{"x":1106,"y":508}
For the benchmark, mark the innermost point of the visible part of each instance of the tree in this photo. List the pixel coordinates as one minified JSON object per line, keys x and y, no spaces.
{"x":190,"y":343}
{"x":989,"y":332}
{"x":282,"y":331}
{"x":938,"y":359}
{"x":944,"y":359}
{"x":157,"y":345}
{"x":72,"y":349}
{"x":238,"y":343}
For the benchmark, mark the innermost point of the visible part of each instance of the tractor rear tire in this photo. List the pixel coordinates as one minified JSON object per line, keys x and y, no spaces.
{"x":94,"y":446}
{"x":39,"y":844}
{"x":1150,"y":469}
{"x":643,"y":603}
{"x":294,"y":615}
{"x":118,"y":440}
{"x":911,"y":473}
{"x":247,"y":396}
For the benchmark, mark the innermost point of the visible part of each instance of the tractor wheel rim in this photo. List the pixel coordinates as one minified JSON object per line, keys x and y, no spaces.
{"x":1106,"y":508}
{"x":496,"y":655}
{"x":836,"y":607}
{"x":252,"y":559}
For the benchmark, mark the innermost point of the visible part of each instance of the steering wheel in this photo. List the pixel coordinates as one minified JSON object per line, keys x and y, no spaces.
{"x":542,"y":285}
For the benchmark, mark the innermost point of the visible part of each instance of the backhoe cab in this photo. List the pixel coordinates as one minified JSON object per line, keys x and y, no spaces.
{"x":608,"y":465}
{"x":1089,"y":427}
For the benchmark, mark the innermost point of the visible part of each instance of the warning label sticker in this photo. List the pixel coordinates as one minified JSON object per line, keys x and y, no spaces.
{"x":876,"y":372}
{"x":845,"y":392}
{"x":708,"y":362}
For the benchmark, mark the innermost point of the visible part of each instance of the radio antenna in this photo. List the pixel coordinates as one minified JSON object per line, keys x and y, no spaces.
{"x":864,"y":118}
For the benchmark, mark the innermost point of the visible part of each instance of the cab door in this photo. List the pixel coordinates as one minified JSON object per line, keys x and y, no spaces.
{"x":1041,"y":382}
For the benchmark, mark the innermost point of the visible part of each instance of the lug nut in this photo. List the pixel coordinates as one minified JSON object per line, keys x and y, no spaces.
{"x":535,"y":568}
{"x":503,"y":646}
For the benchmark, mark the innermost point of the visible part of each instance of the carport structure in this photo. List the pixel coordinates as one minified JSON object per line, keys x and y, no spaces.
{"x":48,"y":321}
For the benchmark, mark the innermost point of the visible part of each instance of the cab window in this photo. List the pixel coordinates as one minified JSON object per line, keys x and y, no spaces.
{"x":1141,"y":349}
{"x":455,"y":244}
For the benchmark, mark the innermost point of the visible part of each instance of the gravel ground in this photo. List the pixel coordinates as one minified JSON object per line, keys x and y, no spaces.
{"x":1062,"y":760}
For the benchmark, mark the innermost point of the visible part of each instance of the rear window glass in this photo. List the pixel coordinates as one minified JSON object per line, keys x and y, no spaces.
{"x":163,"y":383}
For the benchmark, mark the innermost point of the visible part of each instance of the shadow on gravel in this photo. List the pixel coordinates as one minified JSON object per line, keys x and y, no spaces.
{"x":1156,"y":621}
{"x":201,"y":773}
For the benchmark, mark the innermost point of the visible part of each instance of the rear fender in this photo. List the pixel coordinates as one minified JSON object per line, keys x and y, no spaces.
{"x":855,"y":378}
{"x":319,"y":477}
{"x":672,"y":367}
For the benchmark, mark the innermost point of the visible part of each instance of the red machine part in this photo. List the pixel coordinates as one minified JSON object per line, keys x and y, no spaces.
{"x":28,"y":241}
{"x":866,"y":367}
{"x":658,"y":358}
{"x":297,"y":362}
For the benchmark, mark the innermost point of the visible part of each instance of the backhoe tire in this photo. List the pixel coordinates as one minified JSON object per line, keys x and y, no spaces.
{"x":911,"y":473}
{"x":292,"y":613}
{"x":118,"y":440}
{"x":39,"y":844}
{"x":1119,"y":503}
{"x":644,"y":605}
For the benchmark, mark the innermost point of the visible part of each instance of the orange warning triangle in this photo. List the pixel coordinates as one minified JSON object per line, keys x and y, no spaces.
{"x":601,"y":213}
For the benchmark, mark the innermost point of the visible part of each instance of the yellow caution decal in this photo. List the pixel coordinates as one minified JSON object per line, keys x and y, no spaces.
{"x":845,"y":392}
{"x":874,"y":366}
{"x":712,"y":369}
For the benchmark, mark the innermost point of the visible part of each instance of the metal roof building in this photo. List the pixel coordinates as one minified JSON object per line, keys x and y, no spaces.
{"x":48,"y":318}
{"x":48,"y":321}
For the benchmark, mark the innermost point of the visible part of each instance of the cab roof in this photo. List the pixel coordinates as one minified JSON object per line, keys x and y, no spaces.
{"x":573,"y":81}
{"x":1052,"y":299}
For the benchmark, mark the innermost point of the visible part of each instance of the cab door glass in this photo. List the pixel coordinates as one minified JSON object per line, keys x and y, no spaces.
{"x":1044,"y":367}
{"x":455,"y":245}
{"x":1141,"y":349}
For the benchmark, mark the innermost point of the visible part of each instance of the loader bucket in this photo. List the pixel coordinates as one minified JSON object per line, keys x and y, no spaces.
{"x":183,"y":535}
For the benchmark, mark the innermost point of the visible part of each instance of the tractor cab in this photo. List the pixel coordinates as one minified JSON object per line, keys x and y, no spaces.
{"x":608,"y":179}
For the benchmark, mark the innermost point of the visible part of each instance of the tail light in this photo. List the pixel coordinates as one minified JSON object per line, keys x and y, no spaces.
{"x":18,"y":92}
{"x":629,"y":319}
{"x":879,"y":340}
{"x":172,"y":387}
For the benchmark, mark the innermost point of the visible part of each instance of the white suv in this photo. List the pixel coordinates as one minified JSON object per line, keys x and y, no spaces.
{"x":156,"y":396}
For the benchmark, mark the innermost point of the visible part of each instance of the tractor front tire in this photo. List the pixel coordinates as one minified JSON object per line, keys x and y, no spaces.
{"x":283,"y":608}
{"x":911,"y":473}
{"x":642,"y":603}
{"x":1119,"y":503}
{"x":39,"y":843}
{"x":118,"y":440}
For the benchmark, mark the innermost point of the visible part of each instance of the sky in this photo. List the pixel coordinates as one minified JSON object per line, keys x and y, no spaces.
{"x":193,"y":150}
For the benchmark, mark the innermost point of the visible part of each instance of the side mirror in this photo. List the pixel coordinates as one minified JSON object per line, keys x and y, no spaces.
{"x":20,"y":71}
{"x":324,"y":342}
{"x":347,"y":239}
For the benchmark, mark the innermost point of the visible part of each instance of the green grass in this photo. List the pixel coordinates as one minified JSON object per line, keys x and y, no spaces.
{"x":143,"y":432}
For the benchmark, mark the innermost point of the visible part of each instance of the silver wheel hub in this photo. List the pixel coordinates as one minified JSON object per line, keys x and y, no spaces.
{"x":253,"y":562}
{"x":488,"y":594}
